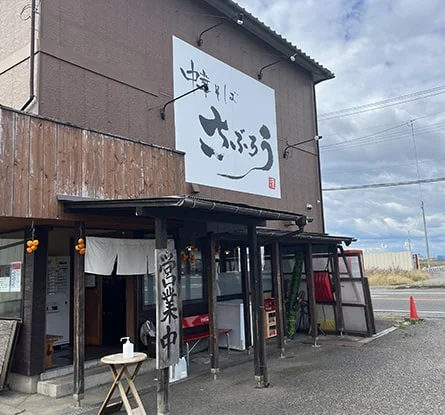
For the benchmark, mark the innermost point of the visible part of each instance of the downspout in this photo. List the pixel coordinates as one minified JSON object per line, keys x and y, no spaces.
{"x":31,"y":56}
{"x":318,"y":158}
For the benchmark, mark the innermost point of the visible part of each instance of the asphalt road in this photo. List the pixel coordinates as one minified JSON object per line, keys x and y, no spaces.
{"x":429,"y":302}
{"x":397,"y":374}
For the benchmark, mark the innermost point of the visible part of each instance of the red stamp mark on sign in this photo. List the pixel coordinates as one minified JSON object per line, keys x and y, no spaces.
{"x":272,"y":183}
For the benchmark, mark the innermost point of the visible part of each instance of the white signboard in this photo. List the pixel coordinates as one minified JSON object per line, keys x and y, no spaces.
{"x":15,"y":285}
{"x":4,"y":284}
{"x":228,"y":133}
{"x":167,"y":308}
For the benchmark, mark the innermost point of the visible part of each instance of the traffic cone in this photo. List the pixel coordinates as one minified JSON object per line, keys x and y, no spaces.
{"x":412,"y":309}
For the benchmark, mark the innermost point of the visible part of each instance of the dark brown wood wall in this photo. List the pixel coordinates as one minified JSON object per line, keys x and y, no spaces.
{"x":40,"y":159}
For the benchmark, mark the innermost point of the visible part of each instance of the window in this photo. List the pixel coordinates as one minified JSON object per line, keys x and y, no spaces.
{"x":191,"y":278}
{"x":11,"y":274}
{"x":266,"y":270}
{"x":228,"y":271}
{"x":191,"y":273}
{"x":149,"y":289}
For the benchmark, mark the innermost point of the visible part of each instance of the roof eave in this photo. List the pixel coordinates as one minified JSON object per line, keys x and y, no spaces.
{"x":273,"y":39}
{"x":185,"y":202}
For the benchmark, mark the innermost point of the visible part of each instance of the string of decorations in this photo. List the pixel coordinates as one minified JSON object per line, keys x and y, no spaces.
{"x":33,"y":243}
{"x":80,"y":246}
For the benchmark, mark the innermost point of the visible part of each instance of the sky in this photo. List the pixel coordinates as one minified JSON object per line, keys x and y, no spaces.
{"x":379,"y":50}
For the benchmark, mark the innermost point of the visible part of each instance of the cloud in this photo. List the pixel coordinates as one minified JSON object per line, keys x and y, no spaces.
{"x":378,"y":50}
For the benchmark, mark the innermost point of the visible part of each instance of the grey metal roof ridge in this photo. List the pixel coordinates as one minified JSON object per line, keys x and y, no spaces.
{"x":183,"y":201}
{"x":305,"y":235}
{"x":306,"y":61}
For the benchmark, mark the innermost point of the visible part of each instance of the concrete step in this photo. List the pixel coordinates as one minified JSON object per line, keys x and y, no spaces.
{"x":59,"y":382}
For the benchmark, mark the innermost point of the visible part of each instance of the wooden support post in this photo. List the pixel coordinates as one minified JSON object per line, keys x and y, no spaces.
{"x":256,"y":279}
{"x":369,"y":310}
{"x":29,"y":359}
{"x":254,"y":301}
{"x":279,"y":295}
{"x":179,"y":289}
{"x":246,"y":298}
{"x":337,"y":286}
{"x":309,"y":270}
{"x":348,"y":268}
{"x":163,"y":407}
{"x":210,"y":269}
{"x":79,"y":318}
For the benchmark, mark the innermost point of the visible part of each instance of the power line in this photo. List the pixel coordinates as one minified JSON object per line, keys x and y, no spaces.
{"x":366,"y":136}
{"x":333,"y":171}
{"x":380,"y":168}
{"x":398,"y":98}
{"x":331,"y":133}
{"x":379,"y":107}
{"x":376,"y":185}
{"x":383,"y":104}
{"x":379,"y":138}
{"x":427,"y":128}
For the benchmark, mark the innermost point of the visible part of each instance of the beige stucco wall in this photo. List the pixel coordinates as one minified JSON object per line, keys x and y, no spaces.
{"x":14,"y":52}
{"x":108,"y":65}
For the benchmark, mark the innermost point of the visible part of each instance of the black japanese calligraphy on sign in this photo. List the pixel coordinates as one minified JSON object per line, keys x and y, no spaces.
{"x":241,"y":143}
{"x":222,"y":92}
{"x":167,"y":309}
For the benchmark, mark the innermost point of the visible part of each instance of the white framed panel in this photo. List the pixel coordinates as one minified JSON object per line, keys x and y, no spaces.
{"x":228,"y":133}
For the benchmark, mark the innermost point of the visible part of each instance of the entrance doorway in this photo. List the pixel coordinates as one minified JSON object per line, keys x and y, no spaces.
{"x":113,"y":310}
{"x":109,"y":315}
{"x":106,"y":311}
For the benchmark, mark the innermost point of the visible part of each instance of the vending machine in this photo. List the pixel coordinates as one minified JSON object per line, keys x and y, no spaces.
{"x":58,"y":299}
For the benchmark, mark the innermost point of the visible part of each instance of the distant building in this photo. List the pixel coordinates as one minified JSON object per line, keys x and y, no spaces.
{"x":391,"y":261}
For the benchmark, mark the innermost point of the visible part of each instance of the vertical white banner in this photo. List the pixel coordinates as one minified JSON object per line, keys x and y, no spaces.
{"x":229,"y":132}
{"x":167,"y":309}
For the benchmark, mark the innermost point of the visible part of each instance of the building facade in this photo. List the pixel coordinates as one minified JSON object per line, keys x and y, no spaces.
{"x":185,"y":122}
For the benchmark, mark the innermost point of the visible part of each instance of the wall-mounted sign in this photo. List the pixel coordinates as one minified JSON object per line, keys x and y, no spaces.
{"x":4,"y":284}
{"x":167,"y":308}
{"x":15,"y":285}
{"x":228,"y":133}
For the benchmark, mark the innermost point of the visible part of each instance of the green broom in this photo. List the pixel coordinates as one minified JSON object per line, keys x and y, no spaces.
{"x":292,"y":295}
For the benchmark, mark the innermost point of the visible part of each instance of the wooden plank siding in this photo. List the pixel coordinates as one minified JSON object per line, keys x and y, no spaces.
{"x":7,"y":127}
{"x":40,"y":159}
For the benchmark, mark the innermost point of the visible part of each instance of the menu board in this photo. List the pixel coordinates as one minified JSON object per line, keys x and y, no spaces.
{"x":58,"y":276}
{"x":11,"y":277}
{"x":4,"y":284}
{"x":15,"y":283}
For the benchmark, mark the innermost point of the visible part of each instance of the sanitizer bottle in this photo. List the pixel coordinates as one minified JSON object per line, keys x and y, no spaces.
{"x":127,"y":348}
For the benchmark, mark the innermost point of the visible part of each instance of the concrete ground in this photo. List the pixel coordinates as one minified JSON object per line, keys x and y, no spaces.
{"x":398,"y":373}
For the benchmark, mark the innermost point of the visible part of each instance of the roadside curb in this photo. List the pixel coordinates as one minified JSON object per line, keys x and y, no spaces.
{"x":407,"y":287}
{"x":402,"y":287}
{"x":378,"y":335}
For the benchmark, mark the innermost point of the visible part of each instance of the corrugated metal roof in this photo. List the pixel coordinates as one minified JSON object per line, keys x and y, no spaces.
{"x":171,"y":205}
{"x":230,"y":8}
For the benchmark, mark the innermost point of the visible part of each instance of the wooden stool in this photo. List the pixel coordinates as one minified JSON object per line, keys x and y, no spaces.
{"x":119,"y":369}
{"x":49,"y":350}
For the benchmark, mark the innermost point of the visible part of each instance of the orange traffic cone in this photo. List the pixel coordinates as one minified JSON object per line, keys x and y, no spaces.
{"x":412,"y":309}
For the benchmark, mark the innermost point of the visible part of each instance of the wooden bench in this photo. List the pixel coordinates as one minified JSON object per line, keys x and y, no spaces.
{"x":195,"y":338}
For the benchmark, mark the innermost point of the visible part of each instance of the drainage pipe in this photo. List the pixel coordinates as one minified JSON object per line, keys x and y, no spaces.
{"x":31,"y":56}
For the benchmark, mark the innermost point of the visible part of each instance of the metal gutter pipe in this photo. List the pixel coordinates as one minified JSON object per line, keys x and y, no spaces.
{"x":31,"y":56}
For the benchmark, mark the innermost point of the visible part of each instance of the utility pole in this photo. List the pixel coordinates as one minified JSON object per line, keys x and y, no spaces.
{"x":409,"y":244}
{"x":422,"y":206}
{"x":426,"y":238}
